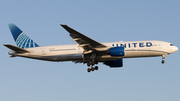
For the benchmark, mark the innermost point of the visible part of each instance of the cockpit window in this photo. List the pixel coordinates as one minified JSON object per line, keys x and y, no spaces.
{"x":171,"y":45}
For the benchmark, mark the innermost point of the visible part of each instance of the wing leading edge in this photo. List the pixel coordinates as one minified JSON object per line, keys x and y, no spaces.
{"x":83,"y":41}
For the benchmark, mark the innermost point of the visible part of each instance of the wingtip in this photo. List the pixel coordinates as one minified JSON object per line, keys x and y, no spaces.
{"x":63,"y":24}
{"x":6,"y":44}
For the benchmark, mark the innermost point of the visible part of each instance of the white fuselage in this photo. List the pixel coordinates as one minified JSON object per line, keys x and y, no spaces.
{"x":74,"y":52}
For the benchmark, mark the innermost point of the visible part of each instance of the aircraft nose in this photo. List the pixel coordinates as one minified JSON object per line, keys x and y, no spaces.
{"x":174,"y":49}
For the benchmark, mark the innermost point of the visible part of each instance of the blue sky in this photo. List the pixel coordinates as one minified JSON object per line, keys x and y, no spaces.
{"x":140,"y":79}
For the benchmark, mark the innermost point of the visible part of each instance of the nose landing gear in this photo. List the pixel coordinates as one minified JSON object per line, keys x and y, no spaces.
{"x":162,"y":61}
{"x":163,"y":57}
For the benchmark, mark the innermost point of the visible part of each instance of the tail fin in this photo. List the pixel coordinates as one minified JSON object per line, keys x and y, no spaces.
{"x":21,"y":39}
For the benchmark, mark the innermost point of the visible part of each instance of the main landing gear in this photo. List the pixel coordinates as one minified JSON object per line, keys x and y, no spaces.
{"x":92,"y":66}
{"x":92,"y":63}
{"x":163,"y":57}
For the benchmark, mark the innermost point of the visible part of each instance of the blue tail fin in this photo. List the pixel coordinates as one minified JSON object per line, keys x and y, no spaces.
{"x":21,"y":39}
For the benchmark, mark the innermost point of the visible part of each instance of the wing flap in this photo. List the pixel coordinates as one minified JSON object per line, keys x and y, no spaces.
{"x":16,"y":49}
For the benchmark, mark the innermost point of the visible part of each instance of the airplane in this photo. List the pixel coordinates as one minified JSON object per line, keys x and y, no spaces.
{"x":87,"y":50}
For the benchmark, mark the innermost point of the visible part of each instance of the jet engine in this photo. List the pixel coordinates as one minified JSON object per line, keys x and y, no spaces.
{"x":114,"y":63}
{"x":116,"y":51}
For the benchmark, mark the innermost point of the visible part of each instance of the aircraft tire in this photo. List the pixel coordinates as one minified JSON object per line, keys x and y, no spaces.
{"x":89,"y":70}
{"x":92,"y":63}
{"x":96,"y":67}
{"x":92,"y":68}
{"x":96,"y":62}
{"x":162,"y":61}
{"x":88,"y":64}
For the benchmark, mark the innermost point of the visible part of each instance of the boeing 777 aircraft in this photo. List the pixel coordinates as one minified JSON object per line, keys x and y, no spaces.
{"x":87,"y":50}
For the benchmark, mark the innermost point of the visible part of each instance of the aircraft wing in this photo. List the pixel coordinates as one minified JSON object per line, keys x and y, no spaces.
{"x":85,"y":42}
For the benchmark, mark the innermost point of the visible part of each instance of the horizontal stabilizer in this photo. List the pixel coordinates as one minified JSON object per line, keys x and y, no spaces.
{"x":16,"y":49}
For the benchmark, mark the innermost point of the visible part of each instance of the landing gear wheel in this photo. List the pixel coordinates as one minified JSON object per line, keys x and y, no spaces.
{"x":88,"y":64}
{"x":96,"y":62}
{"x":89,"y":70}
{"x":162,"y":61}
{"x":92,"y":68}
{"x":96,"y":67}
{"x":92,"y":63}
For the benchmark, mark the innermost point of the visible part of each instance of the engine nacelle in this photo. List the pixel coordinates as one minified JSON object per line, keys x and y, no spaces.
{"x":114,"y":63}
{"x":116,"y":51}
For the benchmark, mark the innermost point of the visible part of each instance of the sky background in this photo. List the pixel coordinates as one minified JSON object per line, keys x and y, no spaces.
{"x":140,"y":79}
